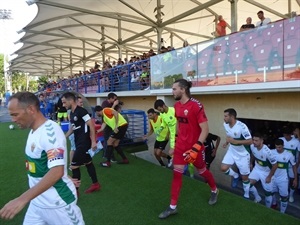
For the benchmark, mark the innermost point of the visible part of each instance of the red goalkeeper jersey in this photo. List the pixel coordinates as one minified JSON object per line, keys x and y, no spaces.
{"x":189,"y":116}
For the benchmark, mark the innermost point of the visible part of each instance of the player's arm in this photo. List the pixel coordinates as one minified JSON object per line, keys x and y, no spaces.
{"x":90,"y":123}
{"x":172,"y":130}
{"x":103,"y":125}
{"x":116,"y":115}
{"x":217,"y":139}
{"x":273,"y":161}
{"x":149,"y":133}
{"x":295,"y":181}
{"x":70,"y":131}
{"x":16,"y":205}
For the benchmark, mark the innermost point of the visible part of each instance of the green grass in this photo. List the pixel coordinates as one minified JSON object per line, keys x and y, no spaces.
{"x":134,"y":194}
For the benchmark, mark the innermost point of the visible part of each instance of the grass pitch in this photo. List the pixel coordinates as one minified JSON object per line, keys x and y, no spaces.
{"x":134,"y":194}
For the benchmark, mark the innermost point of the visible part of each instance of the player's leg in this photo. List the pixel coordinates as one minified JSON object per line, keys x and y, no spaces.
{"x":268,"y":188}
{"x":118,"y":137}
{"x":275,"y":190}
{"x":207,"y":175}
{"x":157,"y":154}
{"x":254,"y":177}
{"x":178,"y":162}
{"x":68,"y":215}
{"x":283,"y":187}
{"x":243,"y":164}
{"x":92,"y":174}
{"x":227,"y":162}
{"x":33,"y":216}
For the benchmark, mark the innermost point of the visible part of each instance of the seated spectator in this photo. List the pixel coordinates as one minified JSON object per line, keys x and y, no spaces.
{"x":263,"y":21}
{"x":248,"y":25}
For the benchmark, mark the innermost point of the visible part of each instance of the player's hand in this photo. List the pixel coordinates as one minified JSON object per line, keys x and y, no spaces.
{"x":94,"y":146}
{"x":76,"y":182}
{"x":213,"y":153}
{"x":171,"y":152}
{"x":145,"y":137}
{"x":12,"y":208}
{"x":295,"y":183}
{"x":191,"y":155}
{"x":268,"y":179}
{"x":116,"y":130}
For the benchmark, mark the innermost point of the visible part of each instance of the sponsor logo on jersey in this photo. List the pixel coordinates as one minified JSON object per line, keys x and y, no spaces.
{"x":30,"y":166}
{"x":55,"y":154}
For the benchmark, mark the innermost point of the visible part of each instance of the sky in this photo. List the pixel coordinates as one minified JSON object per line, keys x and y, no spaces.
{"x":22,"y":15}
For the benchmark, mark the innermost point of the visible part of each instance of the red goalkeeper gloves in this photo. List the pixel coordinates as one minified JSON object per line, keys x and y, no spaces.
{"x":191,"y":155}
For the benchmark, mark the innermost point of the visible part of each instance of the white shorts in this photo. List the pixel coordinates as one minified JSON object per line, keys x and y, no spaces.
{"x":261,"y":176}
{"x":68,"y":215}
{"x":72,"y":142}
{"x":281,"y":186}
{"x":242,"y":161}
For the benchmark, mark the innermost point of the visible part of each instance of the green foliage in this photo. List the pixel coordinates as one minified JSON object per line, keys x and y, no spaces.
{"x":2,"y":84}
{"x":43,"y":80}
{"x":169,"y":80}
{"x":134,"y":194}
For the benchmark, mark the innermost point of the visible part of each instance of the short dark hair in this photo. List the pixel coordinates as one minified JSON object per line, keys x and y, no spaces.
{"x":159,"y":103}
{"x":260,"y":12}
{"x":231,"y":112}
{"x":151,"y":110}
{"x":279,"y":142}
{"x":26,"y":98}
{"x":69,"y":96}
{"x":111,"y":95}
{"x":98,"y":108}
{"x":258,"y":134}
{"x":287,"y":130}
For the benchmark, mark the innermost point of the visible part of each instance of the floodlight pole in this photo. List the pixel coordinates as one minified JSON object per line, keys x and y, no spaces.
{"x":5,"y":14}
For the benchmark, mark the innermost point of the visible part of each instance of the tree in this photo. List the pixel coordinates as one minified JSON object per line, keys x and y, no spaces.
{"x":2,"y":81}
{"x":19,"y":82}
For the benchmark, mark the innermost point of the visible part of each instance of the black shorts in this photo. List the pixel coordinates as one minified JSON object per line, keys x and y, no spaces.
{"x":160,"y":145}
{"x":81,"y":157}
{"x":121,"y":133}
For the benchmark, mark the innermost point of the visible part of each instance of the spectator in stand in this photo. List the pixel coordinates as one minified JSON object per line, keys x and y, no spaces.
{"x":43,"y":104}
{"x":221,"y":27}
{"x":263,"y":21}
{"x":248,"y":26}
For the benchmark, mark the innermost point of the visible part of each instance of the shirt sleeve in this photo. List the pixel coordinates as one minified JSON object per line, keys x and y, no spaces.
{"x":54,"y":143}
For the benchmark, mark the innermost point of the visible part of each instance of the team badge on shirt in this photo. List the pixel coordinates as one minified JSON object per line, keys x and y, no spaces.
{"x":75,"y":118}
{"x":186,"y":112}
{"x":32,"y":147}
{"x":55,"y":154}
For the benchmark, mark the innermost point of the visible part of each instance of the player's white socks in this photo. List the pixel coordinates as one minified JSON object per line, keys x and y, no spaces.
{"x":268,"y":201}
{"x":230,"y":172}
{"x":246,"y":187}
{"x":283,"y":206}
{"x":274,"y":199}
{"x":292,"y":191}
{"x":254,"y":191}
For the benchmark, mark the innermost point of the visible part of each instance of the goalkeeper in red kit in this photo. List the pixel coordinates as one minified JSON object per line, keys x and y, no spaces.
{"x":192,"y":132}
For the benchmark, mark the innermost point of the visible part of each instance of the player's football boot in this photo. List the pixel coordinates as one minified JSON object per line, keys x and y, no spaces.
{"x":94,"y":187}
{"x":235,"y":182}
{"x":168,"y":212}
{"x":124,"y":161}
{"x":213,"y":197}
